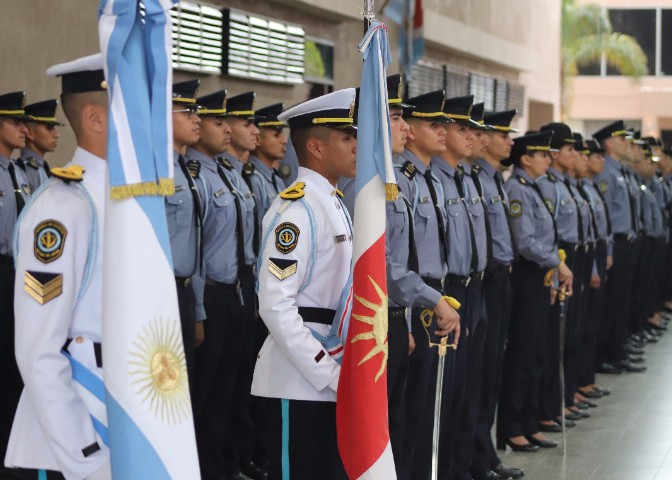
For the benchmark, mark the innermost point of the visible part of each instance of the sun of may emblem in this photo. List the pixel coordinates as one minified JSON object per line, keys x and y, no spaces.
{"x":159,"y":371}
{"x":378,"y":332}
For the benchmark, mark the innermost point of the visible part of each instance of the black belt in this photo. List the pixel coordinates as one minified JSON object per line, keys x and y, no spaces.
{"x":569,"y":247}
{"x":601,"y":243}
{"x":435,"y":283}
{"x":457,"y":280}
{"x":497,"y":267}
{"x":183,"y":281}
{"x":396,"y":312}
{"x":96,"y":348}
{"x":6,"y":260}
{"x":324,"y":316}
{"x":622,"y":237}
{"x":231,"y":287}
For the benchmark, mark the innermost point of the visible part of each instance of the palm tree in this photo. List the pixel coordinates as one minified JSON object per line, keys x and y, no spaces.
{"x":586,"y":36}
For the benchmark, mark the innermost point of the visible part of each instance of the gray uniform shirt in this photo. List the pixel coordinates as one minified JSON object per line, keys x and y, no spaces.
{"x":247,"y":204}
{"x":531,"y":222}
{"x":502,"y":250}
{"x":8,"y":202}
{"x":32,"y":164}
{"x":559,"y":199}
{"x":477,"y":211}
{"x":613,"y":186}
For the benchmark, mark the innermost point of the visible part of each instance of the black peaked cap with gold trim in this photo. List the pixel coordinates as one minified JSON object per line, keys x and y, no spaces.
{"x":428,"y":106}
{"x":13,"y":104}
{"x":335,"y":110}
{"x":594,"y":146}
{"x":213,"y":104}
{"x":579,"y":144}
{"x":500,"y":121}
{"x":459,"y":109}
{"x":268,"y":116}
{"x":241,"y":106}
{"x":43,"y":112}
{"x":562,"y":134}
{"x":614,"y":129}
{"x":184,"y":93}
{"x":82,"y":75}
{"x":477,"y":112}
{"x":395,"y":92}
{"x":527,"y":145}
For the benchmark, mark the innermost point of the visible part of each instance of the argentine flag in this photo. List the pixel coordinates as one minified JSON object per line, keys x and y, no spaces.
{"x":151,"y":433}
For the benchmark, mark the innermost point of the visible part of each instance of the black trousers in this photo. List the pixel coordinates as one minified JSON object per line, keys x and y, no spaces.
{"x":397,"y":372}
{"x":592,"y":321}
{"x":302,"y":440}
{"x":617,"y":302}
{"x":29,"y":474}
{"x":186,"y":302}
{"x":9,"y":372}
{"x":466,"y":415}
{"x":497,"y":293}
{"x":217,"y":362}
{"x":525,"y":351}
{"x":242,"y":436}
{"x":640,"y":289}
{"x":421,"y":392}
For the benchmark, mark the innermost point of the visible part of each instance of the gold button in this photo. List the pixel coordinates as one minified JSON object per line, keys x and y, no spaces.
{"x":79,"y":339}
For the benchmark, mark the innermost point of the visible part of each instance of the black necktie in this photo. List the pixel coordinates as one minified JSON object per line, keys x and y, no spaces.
{"x":274,"y":179}
{"x":488,"y":231}
{"x":20,"y":202}
{"x":606,"y":207}
{"x":197,"y":208}
{"x":240,"y":245}
{"x":413,"y":264}
{"x":586,"y":197}
{"x":631,"y":201}
{"x":472,"y":237}
{"x":47,"y":170}
{"x":504,"y":202}
{"x":255,"y":238}
{"x":437,"y":210}
{"x":579,"y":217}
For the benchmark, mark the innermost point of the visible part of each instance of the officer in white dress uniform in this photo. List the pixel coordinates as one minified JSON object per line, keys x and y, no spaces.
{"x":304,"y":265}
{"x":58,"y":289}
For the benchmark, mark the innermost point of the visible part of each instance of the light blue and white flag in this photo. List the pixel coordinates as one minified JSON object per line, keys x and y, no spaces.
{"x":151,"y":433}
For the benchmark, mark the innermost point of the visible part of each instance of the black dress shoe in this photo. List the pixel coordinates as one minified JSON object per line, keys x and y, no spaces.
{"x":542,"y":443}
{"x":581,"y":405}
{"x":635,"y":359}
{"x":527,"y":448}
{"x":504,"y":470}
{"x":608,"y":368}
{"x":590,"y":393}
{"x":660,"y":328}
{"x":631,"y":367}
{"x":555,"y":428}
{"x":573,"y":416}
{"x":602,"y":390}
{"x":568,"y":423}
{"x":489,"y":475}
{"x":250,"y":469}
{"x":633,"y":350}
{"x":653,"y":332}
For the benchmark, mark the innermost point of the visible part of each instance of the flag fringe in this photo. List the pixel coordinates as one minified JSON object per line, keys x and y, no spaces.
{"x":391,"y":191}
{"x":165,"y":187}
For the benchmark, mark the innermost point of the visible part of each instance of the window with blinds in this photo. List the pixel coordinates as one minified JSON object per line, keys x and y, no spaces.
{"x":262,"y":49}
{"x":197,"y":38}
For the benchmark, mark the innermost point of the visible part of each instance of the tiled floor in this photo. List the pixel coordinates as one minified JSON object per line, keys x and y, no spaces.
{"x":628,"y":437}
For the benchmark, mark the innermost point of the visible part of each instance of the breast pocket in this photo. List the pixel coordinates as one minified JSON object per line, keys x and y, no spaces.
{"x":423,"y":220}
{"x":177,"y":205}
{"x":397,"y":218}
{"x":456,"y":215}
{"x":567,"y":206}
{"x":224,"y":206}
{"x":541,"y":216}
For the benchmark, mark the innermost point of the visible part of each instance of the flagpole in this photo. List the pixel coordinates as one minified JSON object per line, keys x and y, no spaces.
{"x":369,"y":14}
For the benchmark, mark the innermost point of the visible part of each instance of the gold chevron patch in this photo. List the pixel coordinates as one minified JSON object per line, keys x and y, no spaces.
{"x":282,"y":268}
{"x":43,"y":286}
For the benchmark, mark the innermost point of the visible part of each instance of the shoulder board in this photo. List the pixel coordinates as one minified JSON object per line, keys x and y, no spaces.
{"x":409,"y":169}
{"x":73,"y":173}
{"x":194,"y":167}
{"x":522,"y":180}
{"x":226,"y":163}
{"x":551,"y":177}
{"x":32,"y":161}
{"x":248,"y":169}
{"x":294,"y":192}
{"x":476,"y":169}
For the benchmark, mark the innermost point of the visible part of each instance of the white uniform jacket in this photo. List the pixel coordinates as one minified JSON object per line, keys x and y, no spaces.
{"x":305,"y":262}
{"x":52,"y":428}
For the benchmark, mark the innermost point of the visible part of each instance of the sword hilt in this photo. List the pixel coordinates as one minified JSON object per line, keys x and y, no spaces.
{"x":443,"y":346}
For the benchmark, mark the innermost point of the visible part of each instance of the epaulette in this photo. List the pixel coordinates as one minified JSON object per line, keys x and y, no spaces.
{"x":522,"y":180}
{"x":73,"y":173}
{"x":294,"y":192}
{"x":551,"y":176}
{"x":226,"y":163}
{"x":409,"y":169}
{"x":194,"y":167}
{"x":32,"y":161}
{"x":248,"y":169}
{"x":476,"y":169}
